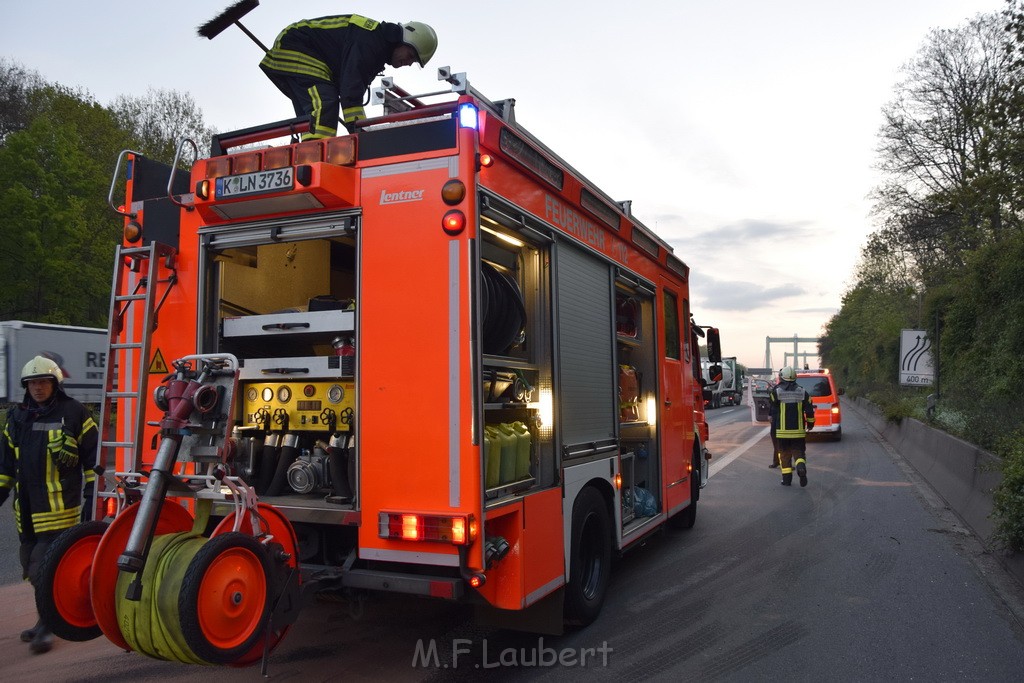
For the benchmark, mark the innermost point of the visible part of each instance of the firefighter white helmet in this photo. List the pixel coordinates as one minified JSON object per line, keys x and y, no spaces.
{"x":420,"y":37}
{"x":788,"y":374}
{"x":39,"y":368}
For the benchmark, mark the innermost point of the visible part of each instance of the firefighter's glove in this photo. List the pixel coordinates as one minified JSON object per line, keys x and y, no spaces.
{"x":4,"y":492}
{"x":64,"y":449}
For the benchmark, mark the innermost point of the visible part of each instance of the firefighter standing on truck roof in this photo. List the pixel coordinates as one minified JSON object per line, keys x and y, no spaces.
{"x":328,"y":63}
{"x":47,"y":452}
{"x":792,"y":415}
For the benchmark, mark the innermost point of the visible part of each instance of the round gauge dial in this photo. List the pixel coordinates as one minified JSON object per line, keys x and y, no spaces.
{"x":284,"y":394}
{"x":251,"y":393}
{"x":335,"y":394}
{"x":268,"y":394}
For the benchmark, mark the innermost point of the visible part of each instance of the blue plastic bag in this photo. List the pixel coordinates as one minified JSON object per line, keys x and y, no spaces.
{"x":644,"y":504}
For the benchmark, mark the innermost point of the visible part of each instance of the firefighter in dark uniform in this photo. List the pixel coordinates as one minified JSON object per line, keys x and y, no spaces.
{"x":47,"y":455}
{"x":792,"y":415}
{"x":327,"y":63}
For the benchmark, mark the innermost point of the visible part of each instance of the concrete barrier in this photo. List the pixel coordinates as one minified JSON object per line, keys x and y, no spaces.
{"x":960,"y":472}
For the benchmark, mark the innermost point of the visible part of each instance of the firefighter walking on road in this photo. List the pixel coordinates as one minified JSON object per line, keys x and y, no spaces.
{"x":47,"y":454}
{"x":792,"y":415}
{"x":327,"y":64}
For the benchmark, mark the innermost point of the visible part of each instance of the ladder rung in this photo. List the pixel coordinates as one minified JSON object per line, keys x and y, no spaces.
{"x":129,"y":251}
{"x":117,"y":444}
{"x":127,"y":345}
{"x":122,"y":394}
{"x":130,"y":297}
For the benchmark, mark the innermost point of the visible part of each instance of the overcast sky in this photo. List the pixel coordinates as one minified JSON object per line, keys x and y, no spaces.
{"x":744,"y":132}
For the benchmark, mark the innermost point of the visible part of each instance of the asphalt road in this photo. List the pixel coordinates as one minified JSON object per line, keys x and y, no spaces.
{"x":862,"y":576}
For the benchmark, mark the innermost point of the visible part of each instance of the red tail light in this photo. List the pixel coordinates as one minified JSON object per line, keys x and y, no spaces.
{"x":408,"y":526}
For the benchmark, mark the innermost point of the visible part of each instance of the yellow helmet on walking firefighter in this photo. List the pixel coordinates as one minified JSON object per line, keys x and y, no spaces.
{"x":40,"y":367}
{"x":420,"y":37}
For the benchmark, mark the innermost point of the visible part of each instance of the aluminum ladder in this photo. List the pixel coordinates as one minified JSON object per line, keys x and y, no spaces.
{"x":133,"y":317}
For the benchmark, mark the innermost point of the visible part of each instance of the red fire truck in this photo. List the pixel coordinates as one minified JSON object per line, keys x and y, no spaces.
{"x":428,"y":357}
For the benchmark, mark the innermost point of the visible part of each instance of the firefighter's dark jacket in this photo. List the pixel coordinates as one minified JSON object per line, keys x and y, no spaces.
{"x":347,"y":50}
{"x":46,"y":453}
{"x":792,"y":410}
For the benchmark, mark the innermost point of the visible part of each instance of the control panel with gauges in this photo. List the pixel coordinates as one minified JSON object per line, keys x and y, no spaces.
{"x":317,"y":405}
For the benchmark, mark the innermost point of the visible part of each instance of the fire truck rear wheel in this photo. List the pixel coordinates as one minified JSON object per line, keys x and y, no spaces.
{"x":590,"y":558}
{"x":62,"y":594}
{"x":224,"y":602}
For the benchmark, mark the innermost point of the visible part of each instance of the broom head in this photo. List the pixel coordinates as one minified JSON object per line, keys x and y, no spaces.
{"x":214,"y":26}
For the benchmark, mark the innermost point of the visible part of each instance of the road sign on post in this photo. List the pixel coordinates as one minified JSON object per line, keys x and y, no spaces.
{"x":917,"y":368}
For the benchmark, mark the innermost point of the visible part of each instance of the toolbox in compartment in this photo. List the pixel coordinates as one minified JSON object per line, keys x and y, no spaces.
{"x":303,"y":336}
{"x":289,"y":368}
{"x":292,"y":323}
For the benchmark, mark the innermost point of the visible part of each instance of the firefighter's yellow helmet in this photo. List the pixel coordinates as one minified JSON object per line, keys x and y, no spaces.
{"x":420,"y":37}
{"x":40,"y":367}
{"x":788,"y":374}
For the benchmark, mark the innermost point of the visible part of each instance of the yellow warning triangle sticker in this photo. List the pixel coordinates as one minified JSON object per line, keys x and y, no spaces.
{"x":157,"y":365}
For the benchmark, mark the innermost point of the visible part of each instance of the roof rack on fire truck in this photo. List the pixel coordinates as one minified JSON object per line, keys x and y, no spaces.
{"x":394,"y":99}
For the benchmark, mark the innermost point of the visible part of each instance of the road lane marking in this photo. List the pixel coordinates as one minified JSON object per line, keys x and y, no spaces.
{"x":719,"y":464}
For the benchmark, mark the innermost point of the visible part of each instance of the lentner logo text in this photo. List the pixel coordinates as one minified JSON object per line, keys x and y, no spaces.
{"x":400,"y":197}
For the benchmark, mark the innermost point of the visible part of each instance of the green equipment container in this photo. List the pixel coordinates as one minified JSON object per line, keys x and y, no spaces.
{"x":509,"y":443}
{"x":492,"y":456}
{"x":522,"y":449}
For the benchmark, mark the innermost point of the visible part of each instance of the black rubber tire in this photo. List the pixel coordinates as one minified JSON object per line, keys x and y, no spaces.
{"x":590,"y":558}
{"x":838,"y":436}
{"x":46,"y":590}
{"x":190,"y":600}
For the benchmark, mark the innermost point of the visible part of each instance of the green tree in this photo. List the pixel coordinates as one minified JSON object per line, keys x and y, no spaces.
{"x":58,"y":148}
{"x":57,"y":241}
{"x":16,"y":87}
{"x":943,"y":196}
{"x":861,"y":342}
{"x":159,"y":120}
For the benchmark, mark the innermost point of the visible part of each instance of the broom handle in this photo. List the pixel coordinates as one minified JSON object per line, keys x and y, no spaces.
{"x":254,"y":38}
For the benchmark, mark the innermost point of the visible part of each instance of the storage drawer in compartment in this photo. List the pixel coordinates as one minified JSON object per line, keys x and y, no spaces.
{"x":300,"y":323}
{"x":289,"y":368}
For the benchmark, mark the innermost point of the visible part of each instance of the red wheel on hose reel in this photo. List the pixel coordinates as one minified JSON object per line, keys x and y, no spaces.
{"x":103,"y":581}
{"x":62,"y":593}
{"x":224,"y":603}
{"x":278,"y":526}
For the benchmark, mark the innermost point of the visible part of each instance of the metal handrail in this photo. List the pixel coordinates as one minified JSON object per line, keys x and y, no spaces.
{"x":113,"y":184}
{"x":174,"y":170}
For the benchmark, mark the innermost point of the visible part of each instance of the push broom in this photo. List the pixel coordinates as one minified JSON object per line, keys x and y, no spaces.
{"x":232,"y":15}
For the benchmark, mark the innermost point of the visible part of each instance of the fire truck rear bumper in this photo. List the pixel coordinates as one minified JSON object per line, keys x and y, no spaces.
{"x":428,"y":586}
{"x":393,"y":582}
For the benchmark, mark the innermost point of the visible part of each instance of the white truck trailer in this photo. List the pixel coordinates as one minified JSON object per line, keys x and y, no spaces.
{"x":79,"y":351}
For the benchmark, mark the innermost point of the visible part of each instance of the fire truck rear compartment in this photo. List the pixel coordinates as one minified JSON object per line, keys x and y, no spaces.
{"x":285,"y":310}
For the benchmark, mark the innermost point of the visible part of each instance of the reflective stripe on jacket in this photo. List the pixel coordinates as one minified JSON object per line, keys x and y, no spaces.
{"x":45,"y":457}
{"x":792,"y":409}
{"x":347,"y":50}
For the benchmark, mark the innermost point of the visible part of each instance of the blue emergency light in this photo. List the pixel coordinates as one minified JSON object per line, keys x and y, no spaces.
{"x":468,"y":116}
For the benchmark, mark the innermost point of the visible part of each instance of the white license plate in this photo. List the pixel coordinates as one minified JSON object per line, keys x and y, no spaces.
{"x":255,"y":183}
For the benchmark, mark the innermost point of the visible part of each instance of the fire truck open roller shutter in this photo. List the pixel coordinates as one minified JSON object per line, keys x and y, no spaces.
{"x":280,"y":230}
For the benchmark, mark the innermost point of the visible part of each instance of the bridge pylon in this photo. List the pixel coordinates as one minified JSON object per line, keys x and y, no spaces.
{"x":796,"y":354}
